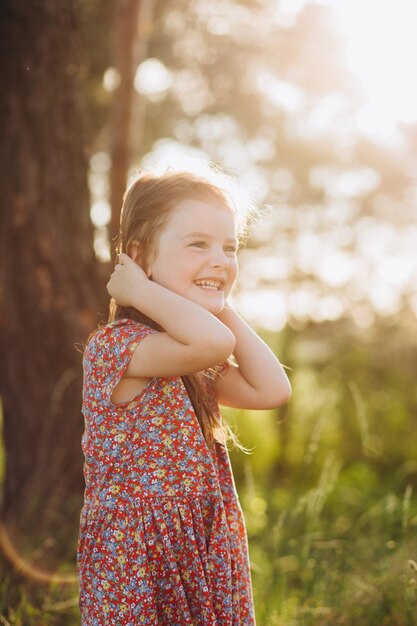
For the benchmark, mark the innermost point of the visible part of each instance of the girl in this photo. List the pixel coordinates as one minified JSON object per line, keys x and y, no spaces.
{"x":162,"y":535}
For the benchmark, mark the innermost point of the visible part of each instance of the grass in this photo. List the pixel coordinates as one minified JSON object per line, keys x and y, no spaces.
{"x":44,"y":606}
{"x":327,"y":560}
{"x":331,"y":556}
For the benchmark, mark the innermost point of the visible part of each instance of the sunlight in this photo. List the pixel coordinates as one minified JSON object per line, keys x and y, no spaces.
{"x":152,"y":79}
{"x":381,"y":51}
{"x":111,"y":79}
{"x":268,"y":309}
{"x":100,"y":212}
{"x":169,"y":154}
{"x":282,"y":94}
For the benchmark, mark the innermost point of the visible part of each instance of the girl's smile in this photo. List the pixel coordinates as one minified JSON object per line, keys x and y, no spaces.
{"x":195,"y":254}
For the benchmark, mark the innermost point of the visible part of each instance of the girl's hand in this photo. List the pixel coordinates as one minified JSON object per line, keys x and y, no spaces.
{"x":126,"y":278}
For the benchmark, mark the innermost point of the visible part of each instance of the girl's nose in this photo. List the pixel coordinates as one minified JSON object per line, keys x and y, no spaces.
{"x":219,"y":259}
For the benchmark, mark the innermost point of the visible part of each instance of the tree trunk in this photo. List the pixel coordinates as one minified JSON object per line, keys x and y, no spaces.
{"x":49,"y":277}
{"x":126,"y":16}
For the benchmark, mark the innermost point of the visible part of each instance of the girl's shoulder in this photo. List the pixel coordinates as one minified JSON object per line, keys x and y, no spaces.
{"x":116,"y":334}
{"x":122,"y":323}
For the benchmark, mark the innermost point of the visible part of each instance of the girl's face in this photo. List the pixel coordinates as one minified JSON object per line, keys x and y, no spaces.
{"x":195,"y":254}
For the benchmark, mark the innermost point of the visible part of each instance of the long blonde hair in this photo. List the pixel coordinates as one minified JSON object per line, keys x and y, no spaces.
{"x":147,"y":207}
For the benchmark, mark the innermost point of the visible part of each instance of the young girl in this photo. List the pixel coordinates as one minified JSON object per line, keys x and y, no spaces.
{"x":162,"y":535}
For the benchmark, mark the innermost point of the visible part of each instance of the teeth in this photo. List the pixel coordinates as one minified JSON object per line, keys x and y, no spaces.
{"x":208,"y":284}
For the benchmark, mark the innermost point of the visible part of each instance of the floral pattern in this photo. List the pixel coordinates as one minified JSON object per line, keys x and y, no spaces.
{"x":162,"y":536}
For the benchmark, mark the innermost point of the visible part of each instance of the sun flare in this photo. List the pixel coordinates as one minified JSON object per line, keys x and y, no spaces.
{"x":381,"y":52}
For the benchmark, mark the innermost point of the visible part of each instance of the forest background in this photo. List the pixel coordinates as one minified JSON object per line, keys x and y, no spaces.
{"x":269,"y":90}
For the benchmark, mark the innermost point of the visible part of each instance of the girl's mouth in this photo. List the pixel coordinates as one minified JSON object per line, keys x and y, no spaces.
{"x":209,"y":285}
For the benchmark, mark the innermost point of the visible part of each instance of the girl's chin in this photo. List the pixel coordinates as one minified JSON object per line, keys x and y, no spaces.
{"x":210,"y":301}
{"x":215,"y":310}
{"x":214,"y":306}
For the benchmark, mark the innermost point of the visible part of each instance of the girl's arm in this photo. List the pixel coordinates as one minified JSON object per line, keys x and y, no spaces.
{"x":194,"y":339}
{"x":259,"y":381}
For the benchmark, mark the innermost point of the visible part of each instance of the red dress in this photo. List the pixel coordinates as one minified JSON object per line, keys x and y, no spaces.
{"x":162,"y":536}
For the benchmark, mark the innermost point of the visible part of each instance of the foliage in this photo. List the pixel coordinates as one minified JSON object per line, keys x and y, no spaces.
{"x":331,"y":505}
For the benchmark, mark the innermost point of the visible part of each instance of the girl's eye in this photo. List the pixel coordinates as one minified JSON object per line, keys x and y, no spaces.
{"x":202,"y":244}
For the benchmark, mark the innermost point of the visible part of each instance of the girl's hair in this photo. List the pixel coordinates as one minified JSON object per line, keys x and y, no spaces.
{"x":147,"y":207}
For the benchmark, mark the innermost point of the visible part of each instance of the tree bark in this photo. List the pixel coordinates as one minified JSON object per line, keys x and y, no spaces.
{"x":126,"y":18}
{"x":49,"y":294}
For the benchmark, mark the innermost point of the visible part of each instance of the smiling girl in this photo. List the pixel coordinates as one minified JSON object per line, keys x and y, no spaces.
{"x":162,"y":535}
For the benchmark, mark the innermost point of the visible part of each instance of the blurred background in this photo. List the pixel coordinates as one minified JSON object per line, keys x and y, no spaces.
{"x":312,"y":105}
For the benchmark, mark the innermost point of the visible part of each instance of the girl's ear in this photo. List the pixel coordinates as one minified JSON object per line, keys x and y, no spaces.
{"x":136,"y":252}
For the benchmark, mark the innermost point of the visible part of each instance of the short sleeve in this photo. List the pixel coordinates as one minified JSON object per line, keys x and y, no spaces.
{"x":108,"y":354}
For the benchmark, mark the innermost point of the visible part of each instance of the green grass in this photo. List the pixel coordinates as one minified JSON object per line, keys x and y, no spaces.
{"x":38,"y":605}
{"x":334,"y":556}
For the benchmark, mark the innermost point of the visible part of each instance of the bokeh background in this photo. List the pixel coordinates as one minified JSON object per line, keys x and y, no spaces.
{"x":312,"y":105}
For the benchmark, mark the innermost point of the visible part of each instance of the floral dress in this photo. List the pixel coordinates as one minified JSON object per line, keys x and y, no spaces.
{"x":162,"y":536}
